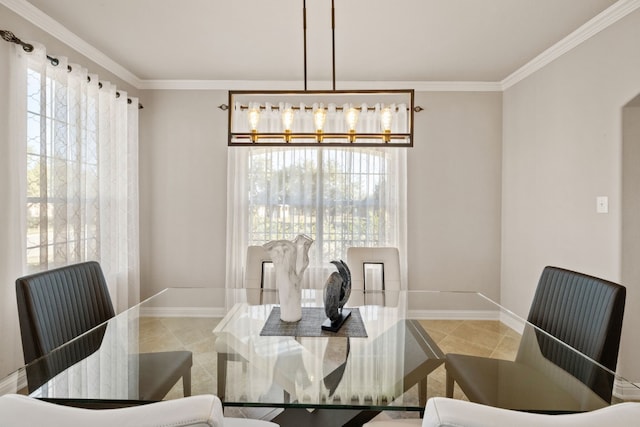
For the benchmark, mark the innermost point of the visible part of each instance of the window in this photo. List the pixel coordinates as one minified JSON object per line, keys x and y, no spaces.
{"x":62,"y":173}
{"x":340,"y":197}
{"x":79,"y":188}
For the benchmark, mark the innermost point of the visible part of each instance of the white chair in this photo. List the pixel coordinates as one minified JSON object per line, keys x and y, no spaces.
{"x":194,"y":411}
{"x":374,"y":270}
{"x":258,"y":275}
{"x":446,"y":412}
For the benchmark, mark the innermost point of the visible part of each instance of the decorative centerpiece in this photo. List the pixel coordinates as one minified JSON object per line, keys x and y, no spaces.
{"x":337,"y":290}
{"x":290,"y":260}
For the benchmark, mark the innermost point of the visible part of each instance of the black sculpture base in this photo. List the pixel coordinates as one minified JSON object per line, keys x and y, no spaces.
{"x":328,"y":325}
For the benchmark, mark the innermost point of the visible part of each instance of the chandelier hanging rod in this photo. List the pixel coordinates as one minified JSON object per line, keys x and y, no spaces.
{"x":304,"y":31}
{"x":333,"y":44}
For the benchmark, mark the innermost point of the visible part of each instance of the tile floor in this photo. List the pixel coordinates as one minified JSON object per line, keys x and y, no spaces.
{"x":483,"y":338}
{"x":475,"y":337}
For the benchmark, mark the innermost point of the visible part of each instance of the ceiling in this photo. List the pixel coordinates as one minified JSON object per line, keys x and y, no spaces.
{"x":375,"y":40}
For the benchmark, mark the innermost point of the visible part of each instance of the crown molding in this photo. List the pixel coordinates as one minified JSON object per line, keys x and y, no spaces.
{"x":318,"y":85}
{"x":425,"y":86}
{"x":219,"y":85}
{"x":57,"y":30}
{"x":606,"y":18}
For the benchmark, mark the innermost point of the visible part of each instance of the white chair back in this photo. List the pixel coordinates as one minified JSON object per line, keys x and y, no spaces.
{"x":445,"y":412}
{"x":195,"y":411}
{"x":374,"y":270}
{"x":259,"y":273}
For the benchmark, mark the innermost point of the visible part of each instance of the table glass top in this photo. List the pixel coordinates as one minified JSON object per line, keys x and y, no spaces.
{"x":396,"y":366}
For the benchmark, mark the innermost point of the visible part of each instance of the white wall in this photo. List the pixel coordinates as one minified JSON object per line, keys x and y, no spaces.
{"x":631,"y":227}
{"x":562,"y":147}
{"x":183,"y":190}
{"x":453,"y":195}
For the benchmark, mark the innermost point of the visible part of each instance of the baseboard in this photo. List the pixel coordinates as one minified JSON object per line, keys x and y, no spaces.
{"x":13,"y":383}
{"x":183,"y":312}
{"x":626,"y":391}
{"x":454,"y":314}
{"x":412,"y":314}
{"x":512,"y":322}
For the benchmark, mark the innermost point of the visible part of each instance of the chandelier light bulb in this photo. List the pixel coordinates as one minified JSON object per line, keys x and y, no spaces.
{"x":352,"y":118}
{"x":254,"y":118}
{"x":287,"y":122}
{"x":287,"y":119}
{"x":385,"y":119}
{"x":319,"y":117}
{"x":385,"y":122}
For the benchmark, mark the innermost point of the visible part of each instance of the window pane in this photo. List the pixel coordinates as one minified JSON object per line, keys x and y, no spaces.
{"x":33,"y":91}
{"x":62,"y":175}
{"x":33,"y":133}
{"x":333,"y":195}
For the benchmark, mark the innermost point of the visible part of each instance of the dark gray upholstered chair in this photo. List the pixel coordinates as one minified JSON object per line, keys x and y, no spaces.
{"x":60,"y":305}
{"x":582,"y":311}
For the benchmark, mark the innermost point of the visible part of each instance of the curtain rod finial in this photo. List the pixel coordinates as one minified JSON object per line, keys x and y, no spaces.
{"x":8,"y":36}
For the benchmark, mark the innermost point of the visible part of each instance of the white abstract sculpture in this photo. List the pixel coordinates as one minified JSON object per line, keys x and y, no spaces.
{"x":290,"y":260}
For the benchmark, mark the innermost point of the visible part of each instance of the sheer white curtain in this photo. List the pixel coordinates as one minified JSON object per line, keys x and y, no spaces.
{"x":13,"y":202}
{"x":340,"y":197}
{"x":106,"y":373}
{"x":82,"y":182}
{"x":71,"y":187}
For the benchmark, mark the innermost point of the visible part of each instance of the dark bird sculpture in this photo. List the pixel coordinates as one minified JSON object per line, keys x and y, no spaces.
{"x":345,"y":274}
{"x":337,"y":290}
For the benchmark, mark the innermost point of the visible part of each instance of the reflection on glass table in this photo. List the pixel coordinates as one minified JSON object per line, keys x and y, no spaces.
{"x":326,"y":369}
{"x":397,"y":366}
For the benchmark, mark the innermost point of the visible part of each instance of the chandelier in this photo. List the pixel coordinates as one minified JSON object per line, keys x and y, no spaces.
{"x":312,"y":117}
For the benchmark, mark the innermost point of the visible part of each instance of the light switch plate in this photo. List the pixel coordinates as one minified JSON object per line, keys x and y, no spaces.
{"x":602,"y":204}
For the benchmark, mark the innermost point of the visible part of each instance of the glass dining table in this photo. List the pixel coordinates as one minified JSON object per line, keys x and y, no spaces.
{"x":388,"y":355}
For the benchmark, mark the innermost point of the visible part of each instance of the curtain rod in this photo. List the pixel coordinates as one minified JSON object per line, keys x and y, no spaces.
{"x":27,"y":47}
